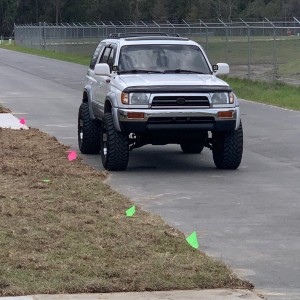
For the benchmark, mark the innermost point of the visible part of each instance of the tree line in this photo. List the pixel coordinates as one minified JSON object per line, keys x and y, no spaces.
{"x":59,"y":11}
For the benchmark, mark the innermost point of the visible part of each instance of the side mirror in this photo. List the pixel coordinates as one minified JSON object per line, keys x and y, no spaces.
{"x":102,"y":70}
{"x":221,"y":69}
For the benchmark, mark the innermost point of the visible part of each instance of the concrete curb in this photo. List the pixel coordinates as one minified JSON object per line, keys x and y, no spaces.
{"x":10,"y":121}
{"x":217,"y":294}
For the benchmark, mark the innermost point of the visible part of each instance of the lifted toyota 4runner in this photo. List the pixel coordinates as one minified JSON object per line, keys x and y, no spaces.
{"x":157,"y":89}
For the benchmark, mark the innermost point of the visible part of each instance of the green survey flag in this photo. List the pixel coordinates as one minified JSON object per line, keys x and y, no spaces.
{"x":192,"y":240}
{"x":46,"y":180}
{"x":131,"y":211}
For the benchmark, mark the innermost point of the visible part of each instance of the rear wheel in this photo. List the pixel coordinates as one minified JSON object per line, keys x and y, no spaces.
{"x":228,"y":148}
{"x":89,"y":131}
{"x":114,"y":146}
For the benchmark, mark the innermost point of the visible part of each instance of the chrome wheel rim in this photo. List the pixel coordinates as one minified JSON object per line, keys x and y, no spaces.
{"x":104,"y":143}
{"x":80,"y":130}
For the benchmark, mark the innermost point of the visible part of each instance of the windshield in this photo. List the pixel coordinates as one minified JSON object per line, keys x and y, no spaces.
{"x":162,"y":59}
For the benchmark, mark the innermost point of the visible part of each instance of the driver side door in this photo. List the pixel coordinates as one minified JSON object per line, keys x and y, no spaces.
{"x":102,"y":87}
{"x":90,"y":79}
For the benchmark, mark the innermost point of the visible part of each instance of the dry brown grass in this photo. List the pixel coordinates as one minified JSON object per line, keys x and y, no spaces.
{"x":3,"y":109}
{"x":72,"y":236}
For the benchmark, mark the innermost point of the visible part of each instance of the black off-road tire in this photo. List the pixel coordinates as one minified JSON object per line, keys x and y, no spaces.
{"x":89,"y":131}
{"x":114,"y":146}
{"x":228,"y":148}
{"x":190,"y":148}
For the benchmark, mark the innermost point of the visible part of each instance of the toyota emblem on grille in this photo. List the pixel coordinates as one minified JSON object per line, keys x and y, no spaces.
{"x":180,"y":101}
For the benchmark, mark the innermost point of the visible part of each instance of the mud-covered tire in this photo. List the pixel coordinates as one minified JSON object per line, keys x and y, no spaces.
{"x":114,"y":146}
{"x":89,"y":131}
{"x":190,"y":148}
{"x":228,"y":148}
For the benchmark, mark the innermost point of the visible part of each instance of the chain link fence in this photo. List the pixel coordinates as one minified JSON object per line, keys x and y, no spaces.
{"x":255,"y":49}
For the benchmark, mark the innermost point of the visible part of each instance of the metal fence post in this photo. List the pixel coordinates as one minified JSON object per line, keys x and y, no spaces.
{"x":145,"y":25}
{"x":44,"y":36}
{"x":156,"y":25}
{"x":227,"y":46}
{"x":298,"y":23}
{"x":274,"y":52}
{"x":249,"y":48}
{"x":206,"y":34}
{"x":188,"y":25}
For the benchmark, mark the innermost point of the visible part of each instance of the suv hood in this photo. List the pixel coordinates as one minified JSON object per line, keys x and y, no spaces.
{"x":171,"y":80}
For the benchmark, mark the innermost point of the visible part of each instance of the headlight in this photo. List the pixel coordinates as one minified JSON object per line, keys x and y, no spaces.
{"x":139,"y":98}
{"x":222,"y":98}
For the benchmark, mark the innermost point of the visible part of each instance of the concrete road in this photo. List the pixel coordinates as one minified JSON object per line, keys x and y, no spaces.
{"x":250,"y":218}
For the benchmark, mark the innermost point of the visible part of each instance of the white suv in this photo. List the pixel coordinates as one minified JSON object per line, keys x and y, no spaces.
{"x":157,"y":89}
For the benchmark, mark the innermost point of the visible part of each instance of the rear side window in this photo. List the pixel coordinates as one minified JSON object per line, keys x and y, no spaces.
{"x":96,"y":55}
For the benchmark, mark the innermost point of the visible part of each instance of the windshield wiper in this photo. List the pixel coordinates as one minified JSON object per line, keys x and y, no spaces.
{"x":183,"y":71}
{"x":141,"y":71}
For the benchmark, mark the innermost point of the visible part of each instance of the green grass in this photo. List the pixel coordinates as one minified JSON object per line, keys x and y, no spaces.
{"x":261,"y":55}
{"x":277,"y":94}
{"x":78,"y":59}
{"x":261,"y":49}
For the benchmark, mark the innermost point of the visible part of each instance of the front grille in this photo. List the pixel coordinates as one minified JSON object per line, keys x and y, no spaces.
{"x":180,"y":101}
{"x":181,"y":120}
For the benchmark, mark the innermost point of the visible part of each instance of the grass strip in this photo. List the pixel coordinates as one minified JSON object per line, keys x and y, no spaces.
{"x":62,"y":230}
{"x":278,"y":94}
{"x":78,"y":59}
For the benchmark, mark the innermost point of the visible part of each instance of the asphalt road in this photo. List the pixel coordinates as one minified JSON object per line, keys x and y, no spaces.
{"x":250,"y":218}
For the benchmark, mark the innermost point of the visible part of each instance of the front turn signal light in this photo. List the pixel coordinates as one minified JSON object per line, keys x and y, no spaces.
{"x":135,"y":115}
{"x":125,"y":98}
{"x":225,"y":114}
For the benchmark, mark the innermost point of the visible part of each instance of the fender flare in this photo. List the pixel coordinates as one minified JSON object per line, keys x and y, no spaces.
{"x":111,"y":97}
{"x":238,"y":113}
{"x":111,"y":105}
{"x":87,"y":99}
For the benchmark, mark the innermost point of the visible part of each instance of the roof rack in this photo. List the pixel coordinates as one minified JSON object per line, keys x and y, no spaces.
{"x":140,"y":34}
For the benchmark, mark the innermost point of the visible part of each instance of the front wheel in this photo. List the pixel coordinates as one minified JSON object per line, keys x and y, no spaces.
{"x":114,"y":146}
{"x":228,"y":148}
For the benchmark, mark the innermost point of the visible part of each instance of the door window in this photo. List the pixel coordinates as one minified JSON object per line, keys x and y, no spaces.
{"x":108,"y":56}
{"x":105,"y":55}
{"x":96,"y":55}
{"x":111,"y":58}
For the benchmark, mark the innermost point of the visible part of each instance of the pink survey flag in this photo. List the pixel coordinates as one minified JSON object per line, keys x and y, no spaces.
{"x":72,"y":155}
{"x":23,"y":121}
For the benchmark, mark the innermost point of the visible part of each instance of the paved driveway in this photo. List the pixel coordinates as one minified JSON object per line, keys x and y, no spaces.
{"x":249,"y":218}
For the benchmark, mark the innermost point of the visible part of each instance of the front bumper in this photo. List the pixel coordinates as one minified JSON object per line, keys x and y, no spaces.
{"x":174,"y":119}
